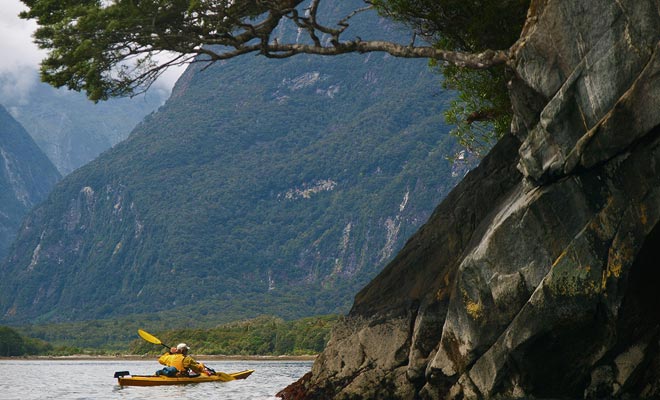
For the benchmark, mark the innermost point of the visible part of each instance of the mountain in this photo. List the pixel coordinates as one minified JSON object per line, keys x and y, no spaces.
{"x":26,"y":177}
{"x":537,"y":277}
{"x":261,"y":186}
{"x":72,"y":130}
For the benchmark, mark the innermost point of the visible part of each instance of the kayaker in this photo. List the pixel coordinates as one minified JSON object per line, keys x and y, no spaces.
{"x":178,"y":358}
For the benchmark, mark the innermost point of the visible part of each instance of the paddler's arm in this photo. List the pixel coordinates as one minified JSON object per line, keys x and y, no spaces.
{"x":198,"y":367}
{"x":163,"y":359}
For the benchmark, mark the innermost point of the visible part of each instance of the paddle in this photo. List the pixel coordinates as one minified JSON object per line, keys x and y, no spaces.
{"x":153,"y":339}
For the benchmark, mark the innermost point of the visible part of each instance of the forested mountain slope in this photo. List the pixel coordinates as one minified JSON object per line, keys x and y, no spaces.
{"x":261,"y":186}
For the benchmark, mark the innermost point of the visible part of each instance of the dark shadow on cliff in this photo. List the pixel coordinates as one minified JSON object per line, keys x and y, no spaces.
{"x":639,"y":316}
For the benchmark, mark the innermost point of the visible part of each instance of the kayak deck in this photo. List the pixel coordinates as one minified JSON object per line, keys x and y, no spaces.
{"x":153,"y":380}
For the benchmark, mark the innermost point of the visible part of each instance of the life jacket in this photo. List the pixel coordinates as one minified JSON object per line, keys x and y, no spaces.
{"x":173,"y":360}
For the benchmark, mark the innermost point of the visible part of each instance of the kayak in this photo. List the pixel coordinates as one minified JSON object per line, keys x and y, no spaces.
{"x":126,"y":379}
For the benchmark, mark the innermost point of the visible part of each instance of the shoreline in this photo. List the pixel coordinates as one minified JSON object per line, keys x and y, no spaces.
{"x":134,"y":357}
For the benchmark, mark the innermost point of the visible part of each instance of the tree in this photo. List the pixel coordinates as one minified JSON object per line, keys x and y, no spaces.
{"x":119,"y":47}
{"x":14,"y":344}
{"x":482,"y":109}
{"x":11,"y":343}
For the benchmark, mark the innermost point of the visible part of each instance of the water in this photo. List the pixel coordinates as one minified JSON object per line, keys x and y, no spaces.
{"x":93,"y":379}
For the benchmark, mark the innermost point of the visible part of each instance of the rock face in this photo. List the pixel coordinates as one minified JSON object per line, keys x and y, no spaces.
{"x":26,"y":177}
{"x":538,"y":274}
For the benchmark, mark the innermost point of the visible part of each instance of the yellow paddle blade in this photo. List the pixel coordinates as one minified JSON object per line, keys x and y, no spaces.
{"x":149,"y":337}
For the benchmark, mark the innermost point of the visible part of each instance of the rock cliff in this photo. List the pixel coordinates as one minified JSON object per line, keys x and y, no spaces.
{"x":537,"y":275}
{"x":26,"y":177}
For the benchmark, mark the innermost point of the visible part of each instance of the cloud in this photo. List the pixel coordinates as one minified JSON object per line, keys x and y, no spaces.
{"x":17,"y":47}
{"x":19,"y":63}
{"x":20,"y":56}
{"x":167,"y":80}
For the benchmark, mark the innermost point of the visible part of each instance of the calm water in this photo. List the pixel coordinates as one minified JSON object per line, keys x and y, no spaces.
{"x":84,"y":379}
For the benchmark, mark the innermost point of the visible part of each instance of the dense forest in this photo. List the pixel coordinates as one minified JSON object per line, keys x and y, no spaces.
{"x":259,"y":336}
{"x":12,"y":343}
{"x":264,"y":335}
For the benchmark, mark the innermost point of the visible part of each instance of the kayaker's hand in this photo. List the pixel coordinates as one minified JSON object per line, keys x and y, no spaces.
{"x":173,"y":350}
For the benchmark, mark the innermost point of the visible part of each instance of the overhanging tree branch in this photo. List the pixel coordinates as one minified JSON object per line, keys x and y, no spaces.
{"x":89,"y":43}
{"x":483,"y":60}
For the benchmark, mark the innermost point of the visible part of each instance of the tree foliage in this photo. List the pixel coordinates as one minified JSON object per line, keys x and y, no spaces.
{"x":482,"y":110}
{"x":117,"y":47}
{"x":264,"y":335}
{"x":470,"y":26}
{"x":14,"y":344}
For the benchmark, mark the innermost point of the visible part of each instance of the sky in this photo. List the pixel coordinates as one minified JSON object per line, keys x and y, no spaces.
{"x":20,"y":57}
{"x":19,"y":60}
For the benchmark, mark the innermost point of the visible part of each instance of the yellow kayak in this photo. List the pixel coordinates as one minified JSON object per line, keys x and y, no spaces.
{"x":126,"y":379}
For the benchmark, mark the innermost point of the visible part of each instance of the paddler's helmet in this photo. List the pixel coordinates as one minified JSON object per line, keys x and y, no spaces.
{"x":181,"y":347}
